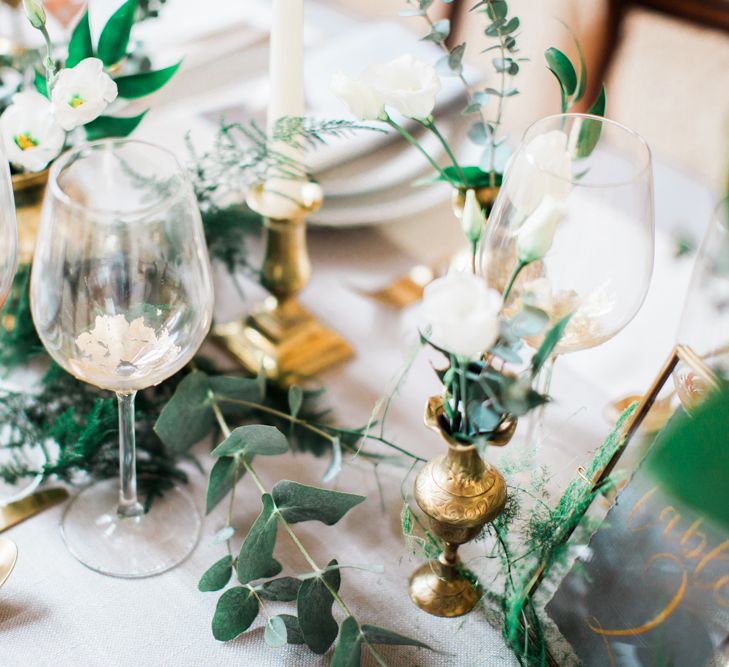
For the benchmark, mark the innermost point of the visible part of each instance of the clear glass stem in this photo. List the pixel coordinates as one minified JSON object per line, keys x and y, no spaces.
{"x":535,"y":424}
{"x":129,"y":505}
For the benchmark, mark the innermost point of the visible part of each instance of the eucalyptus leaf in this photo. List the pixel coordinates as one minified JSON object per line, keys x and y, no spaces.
{"x":479,"y":133}
{"x":410,"y":12}
{"x":550,"y":342}
{"x":256,"y":560}
{"x":510,"y":26}
{"x":283,"y":589}
{"x":498,"y":9}
{"x":377,"y":635}
{"x":80,"y":46}
{"x":455,"y":57}
{"x":508,"y":65}
{"x":188,"y":416}
{"x":335,"y":465}
{"x":114,"y":38}
{"x":529,"y":321}
{"x":253,"y":439}
{"x":590,"y":129}
{"x":275,"y":634}
{"x":296,"y":398}
{"x":299,"y":502}
{"x":223,"y":477}
{"x":562,"y":68}
{"x":217,"y":575}
{"x":133,"y":86}
{"x":293,"y":630}
{"x":236,"y":610}
{"x":348,"y":651}
{"x":113,"y":126}
{"x":314,"y":608}
{"x":224,"y":534}
{"x":232,"y":386}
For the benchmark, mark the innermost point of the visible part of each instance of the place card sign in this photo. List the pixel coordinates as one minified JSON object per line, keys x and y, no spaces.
{"x":652,"y":588}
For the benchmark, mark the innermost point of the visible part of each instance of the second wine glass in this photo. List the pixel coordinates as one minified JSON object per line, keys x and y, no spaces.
{"x":575,"y":214}
{"x":121,"y":296}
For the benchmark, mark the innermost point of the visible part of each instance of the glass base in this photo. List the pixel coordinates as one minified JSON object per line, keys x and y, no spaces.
{"x":130,"y":547}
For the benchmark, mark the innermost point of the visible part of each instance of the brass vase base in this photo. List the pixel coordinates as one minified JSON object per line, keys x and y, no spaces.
{"x":442,"y":591}
{"x":284,"y":340}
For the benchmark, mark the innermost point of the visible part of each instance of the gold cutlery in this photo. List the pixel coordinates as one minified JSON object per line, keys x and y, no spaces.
{"x":405,"y":290}
{"x":23,"y":509}
{"x":8,"y":557}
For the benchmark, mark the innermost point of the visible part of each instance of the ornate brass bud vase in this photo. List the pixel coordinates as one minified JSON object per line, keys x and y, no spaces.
{"x":460,"y":493}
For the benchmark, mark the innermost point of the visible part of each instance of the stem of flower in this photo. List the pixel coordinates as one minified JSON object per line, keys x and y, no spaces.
{"x":512,"y":279}
{"x":414,"y":142}
{"x":464,"y":393}
{"x":48,"y":65}
{"x":429,"y":123}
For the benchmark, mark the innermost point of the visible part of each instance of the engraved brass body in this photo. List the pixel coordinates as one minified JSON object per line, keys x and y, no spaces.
{"x":280,"y":337}
{"x":460,"y":493}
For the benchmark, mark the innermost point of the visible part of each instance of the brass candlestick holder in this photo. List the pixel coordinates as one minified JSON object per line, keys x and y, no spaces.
{"x":280,"y":336}
{"x":460,"y":493}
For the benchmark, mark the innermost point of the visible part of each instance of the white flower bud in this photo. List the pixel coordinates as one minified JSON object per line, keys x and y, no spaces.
{"x":473,"y":219}
{"x":537,"y":233}
{"x":35,"y":13}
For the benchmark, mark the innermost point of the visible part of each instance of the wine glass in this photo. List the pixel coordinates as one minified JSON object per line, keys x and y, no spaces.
{"x":122,"y":298}
{"x":595,"y":176}
{"x":704,"y":325}
{"x":8,"y":263}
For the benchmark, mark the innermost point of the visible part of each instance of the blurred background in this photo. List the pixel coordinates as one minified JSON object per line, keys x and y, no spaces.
{"x":665,"y":62}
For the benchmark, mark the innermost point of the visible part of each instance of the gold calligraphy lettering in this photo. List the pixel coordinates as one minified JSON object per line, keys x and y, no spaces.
{"x":662,"y":615}
{"x":636,"y":508}
{"x":690,"y":532}
{"x":721,"y":599}
{"x":672,"y":523}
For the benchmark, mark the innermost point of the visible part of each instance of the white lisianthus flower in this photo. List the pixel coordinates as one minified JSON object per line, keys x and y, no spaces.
{"x":362,"y":99}
{"x":542,"y":167}
{"x":82,"y":93}
{"x":473,"y":219}
{"x":35,"y":13}
{"x":463,"y":314}
{"x":30,"y":135}
{"x":537,"y":234}
{"x":406,"y":84}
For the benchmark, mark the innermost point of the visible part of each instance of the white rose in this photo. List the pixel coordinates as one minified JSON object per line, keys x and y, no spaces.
{"x":362,"y":99}
{"x":542,"y":167}
{"x":463,"y":314}
{"x":406,"y":84}
{"x":82,"y":93}
{"x":473,"y":219}
{"x":537,"y":234}
{"x":30,"y":135}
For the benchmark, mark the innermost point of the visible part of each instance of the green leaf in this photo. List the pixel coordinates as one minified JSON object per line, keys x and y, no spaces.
{"x":40,"y":83}
{"x":690,"y":458}
{"x":455,"y":57}
{"x":144,"y":83}
{"x":377,"y":635}
{"x":293,"y":630}
{"x":479,"y":133}
{"x":283,"y":589}
{"x":187,"y":417}
{"x":232,"y":386}
{"x":256,"y":560}
{"x":275,"y":634}
{"x":590,"y":129}
{"x":335,"y":466}
{"x":237,"y":608}
{"x":223,"y":535}
{"x":510,"y":26}
{"x":349,"y":647}
{"x":314,"y":607}
{"x":253,"y":439}
{"x":114,"y":38}
{"x":80,"y":46}
{"x":113,"y":126}
{"x":550,"y":342}
{"x":508,"y":65}
{"x":299,"y":502}
{"x":497,"y":9}
{"x":560,"y":65}
{"x":217,"y":575}
{"x":222,"y":479}
{"x":529,"y":321}
{"x":296,"y":398}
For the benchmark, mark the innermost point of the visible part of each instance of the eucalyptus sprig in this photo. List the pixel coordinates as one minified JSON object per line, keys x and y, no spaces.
{"x":203,"y":401}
